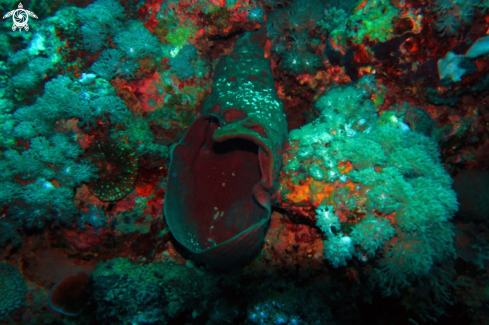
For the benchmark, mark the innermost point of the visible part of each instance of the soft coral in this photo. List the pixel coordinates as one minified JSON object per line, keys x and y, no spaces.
{"x":453,"y":14}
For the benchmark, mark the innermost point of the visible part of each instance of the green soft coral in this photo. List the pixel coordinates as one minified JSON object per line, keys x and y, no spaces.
{"x":179,"y":36}
{"x":372,"y":19}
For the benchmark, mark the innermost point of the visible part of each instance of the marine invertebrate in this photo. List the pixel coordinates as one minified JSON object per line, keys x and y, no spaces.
{"x":48,"y":171}
{"x":100,"y":17}
{"x":182,"y":65}
{"x":256,"y":14}
{"x":290,"y":29}
{"x":111,"y":64}
{"x":48,"y":164}
{"x":135,"y":42}
{"x":373,"y":21}
{"x":480,"y":47}
{"x":385,"y":182}
{"x":223,"y":173}
{"x":92,"y":216}
{"x":70,"y":295}
{"x":13,"y":290}
{"x":450,"y":67}
{"x":129,"y":293}
{"x":453,"y":14}
{"x":258,"y":314}
{"x":117,"y":170}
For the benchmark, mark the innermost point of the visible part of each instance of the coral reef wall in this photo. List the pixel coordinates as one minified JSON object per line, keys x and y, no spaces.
{"x":377,"y":191}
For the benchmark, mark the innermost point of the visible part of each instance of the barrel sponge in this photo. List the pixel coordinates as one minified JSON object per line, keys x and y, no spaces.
{"x":223,"y":175}
{"x":70,"y":295}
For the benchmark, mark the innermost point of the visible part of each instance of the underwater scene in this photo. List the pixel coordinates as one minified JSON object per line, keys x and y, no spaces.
{"x":244,"y":162}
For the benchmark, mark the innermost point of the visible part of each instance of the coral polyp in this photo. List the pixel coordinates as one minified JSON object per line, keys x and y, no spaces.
{"x":117,"y":170}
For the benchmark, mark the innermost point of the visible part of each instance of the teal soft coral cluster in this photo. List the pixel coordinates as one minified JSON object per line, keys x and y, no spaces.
{"x":391,"y":199}
{"x":106,"y":19}
{"x":39,"y":176}
{"x":13,"y":291}
{"x":129,"y":293}
{"x":289,"y":31}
